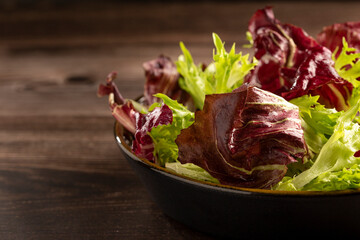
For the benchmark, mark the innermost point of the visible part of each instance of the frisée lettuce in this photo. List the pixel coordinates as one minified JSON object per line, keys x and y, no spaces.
{"x":163,"y":136}
{"x":223,"y":75}
{"x":336,"y":154}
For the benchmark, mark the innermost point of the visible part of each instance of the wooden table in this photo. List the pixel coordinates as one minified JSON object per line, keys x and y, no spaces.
{"x":62,"y":175}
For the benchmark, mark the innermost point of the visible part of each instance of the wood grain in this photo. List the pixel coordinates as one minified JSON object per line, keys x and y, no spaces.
{"x":61,"y":174}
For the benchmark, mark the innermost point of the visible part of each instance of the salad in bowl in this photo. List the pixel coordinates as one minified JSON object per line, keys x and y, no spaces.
{"x":284,"y":119}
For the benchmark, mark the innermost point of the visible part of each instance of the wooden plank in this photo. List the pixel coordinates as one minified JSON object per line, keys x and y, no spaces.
{"x":159,"y":22}
{"x":45,"y":85}
{"x":64,"y":178}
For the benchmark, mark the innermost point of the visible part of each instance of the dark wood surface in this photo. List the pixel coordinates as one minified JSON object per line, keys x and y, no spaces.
{"x":62,"y":175}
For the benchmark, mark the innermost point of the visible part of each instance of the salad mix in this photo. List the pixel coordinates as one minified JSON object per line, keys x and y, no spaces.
{"x":285,"y":119}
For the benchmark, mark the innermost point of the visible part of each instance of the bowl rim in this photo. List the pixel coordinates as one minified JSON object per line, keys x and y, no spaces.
{"x":119,"y":132}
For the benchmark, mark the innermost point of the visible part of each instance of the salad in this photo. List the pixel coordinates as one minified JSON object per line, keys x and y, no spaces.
{"x":284,"y":119}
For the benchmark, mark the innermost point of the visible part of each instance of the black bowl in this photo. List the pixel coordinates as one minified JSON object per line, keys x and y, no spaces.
{"x":231,"y":212}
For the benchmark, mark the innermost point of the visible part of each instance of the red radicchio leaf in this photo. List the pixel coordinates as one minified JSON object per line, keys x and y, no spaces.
{"x":317,"y":76}
{"x":122,"y":110}
{"x":277,"y":46}
{"x":135,"y":122}
{"x":287,"y":56}
{"x":143,"y":145}
{"x":110,"y":87}
{"x":331,"y":36}
{"x":162,"y":77}
{"x":244,"y":138}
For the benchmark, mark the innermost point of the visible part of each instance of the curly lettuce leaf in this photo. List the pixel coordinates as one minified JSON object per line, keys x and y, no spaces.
{"x":285,"y":185}
{"x":317,"y":121}
{"x":193,"y":78}
{"x":343,"y":179}
{"x":317,"y":115}
{"x":339,"y":150}
{"x":347,"y":64}
{"x":346,"y":178}
{"x":223,"y":75}
{"x":231,"y":67}
{"x":163,"y":136}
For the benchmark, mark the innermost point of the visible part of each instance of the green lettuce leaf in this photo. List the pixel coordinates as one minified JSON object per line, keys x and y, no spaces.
{"x":250,"y":40}
{"x":338,"y":152}
{"x":193,"y":78}
{"x":285,"y":185}
{"x":347,"y":64}
{"x":317,"y":121}
{"x":316,"y":115}
{"x":191,"y":170}
{"x":163,"y":136}
{"x":346,"y":178}
{"x":223,"y":75}
{"x":230,"y":67}
{"x":139,"y":107}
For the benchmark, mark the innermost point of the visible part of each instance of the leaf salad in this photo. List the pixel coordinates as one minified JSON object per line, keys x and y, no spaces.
{"x":286,"y":118}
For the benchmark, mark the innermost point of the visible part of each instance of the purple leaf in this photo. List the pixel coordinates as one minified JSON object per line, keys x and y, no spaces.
{"x":244,"y":138}
{"x":143,"y":145}
{"x":277,"y":47}
{"x":317,"y":76}
{"x":162,"y":77}
{"x":110,"y":87}
{"x":292,"y":64}
{"x":135,"y":122}
{"x":331,"y":36}
{"x":122,"y":110}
